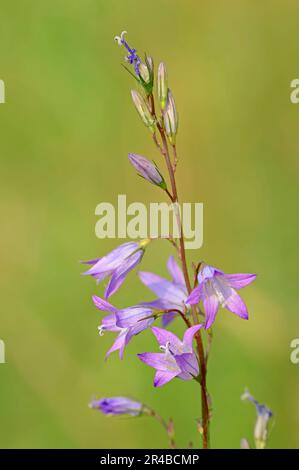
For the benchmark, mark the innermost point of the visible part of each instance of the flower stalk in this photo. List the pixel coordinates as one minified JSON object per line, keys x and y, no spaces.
{"x":200,"y":349}
{"x":180,"y":296}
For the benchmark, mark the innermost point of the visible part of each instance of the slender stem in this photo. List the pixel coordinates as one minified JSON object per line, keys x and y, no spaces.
{"x":200,"y":348}
{"x":175,"y":156}
{"x":182,"y":315}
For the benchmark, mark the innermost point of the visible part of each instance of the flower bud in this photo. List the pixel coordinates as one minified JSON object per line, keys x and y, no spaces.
{"x":117,"y":406}
{"x":244,"y":444}
{"x":261,"y":424}
{"x":143,"y":110}
{"x":144,"y":72}
{"x":162,"y":85}
{"x":261,"y":427}
{"x":170,"y":118}
{"x":170,"y":428}
{"x":147,"y":170}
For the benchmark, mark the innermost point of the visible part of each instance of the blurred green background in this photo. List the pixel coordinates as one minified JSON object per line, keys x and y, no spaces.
{"x":66,"y":128}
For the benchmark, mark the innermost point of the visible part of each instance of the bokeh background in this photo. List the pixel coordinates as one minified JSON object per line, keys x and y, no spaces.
{"x":66,"y":128}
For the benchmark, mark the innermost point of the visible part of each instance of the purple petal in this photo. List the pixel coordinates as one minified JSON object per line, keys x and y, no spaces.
{"x":235,"y":304}
{"x":237,"y":281}
{"x":189,"y":335}
{"x":119,"y":344}
{"x":207,"y":272}
{"x":140,"y":326}
{"x":91,"y":261}
{"x":161,"y":304}
{"x":165,"y":336}
{"x":113,"y":259}
{"x":131,"y":316}
{"x":163,"y":288}
{"x":109,"y":323}
{"x":121,"y":272}
{"x":195,"y":296}
{"x":175,"y":271}
{"x":103,"y":305}
{"x":188,"y":364}
{"x":167,"y":318}
{"x":162,"y":378}
{"x":211,"y":305}
{"x":160,"y":361}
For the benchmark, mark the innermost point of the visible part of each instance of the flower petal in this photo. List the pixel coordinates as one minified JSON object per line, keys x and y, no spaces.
{"x":130,"y":316}
{"x":121,"y":272}
{"x":140,"y":326}
{"x":113,"y":259}
{"x":188,"y":364}
{"x":235,"y":304}
{"x":119,"y":344}
{"x":163,"y":288}
{"x":189,"y":335}
{"x":175,"y":271}
{"x":162,"y":378}
{"x":237,"y":281}
{"x":165,"y":336}
{"x":167,"y":318}
{"x":160,"y":361}
{"x":195,"y":296}
{"x":211,"y":305}
{"x":109,"y":323}
{"x":103,"y":305}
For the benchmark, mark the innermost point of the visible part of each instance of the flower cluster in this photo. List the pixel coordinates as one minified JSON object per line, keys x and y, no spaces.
{"x":196,"y":300}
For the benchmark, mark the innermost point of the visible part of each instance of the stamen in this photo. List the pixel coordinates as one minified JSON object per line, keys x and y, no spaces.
{"x":166,"y":347}
{"x":101,"y":329}
{"x":120,"y":39}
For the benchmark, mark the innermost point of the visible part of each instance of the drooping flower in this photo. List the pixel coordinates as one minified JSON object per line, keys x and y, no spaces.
{"x":177,"y":359}
{"x":117,"y":264}
{"x":127,"y":322}
{"x":117,"y":406}
{"x":261,"y":425}
{"x":171,"y":294}
{"x":144,"y":71}
{"x":218,"y":289}
{"x":147,"y":169}
{"x":131,"y":57}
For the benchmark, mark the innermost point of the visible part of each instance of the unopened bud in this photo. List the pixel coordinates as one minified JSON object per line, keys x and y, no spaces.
{"x":261,"y":427}
{"x":144,"y":72}
{"x":143,"y":110}
{"x":146,"y":75}
{"x":147,"y":170}
{"x":162,"y":85}
{"x":244,"y":444}
{"x":261,"y":424}
{"x":199,"y":426}
{"x":170,"y":118}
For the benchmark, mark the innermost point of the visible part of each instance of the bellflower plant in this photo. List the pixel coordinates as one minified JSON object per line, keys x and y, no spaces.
{"x":194,"y":293}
